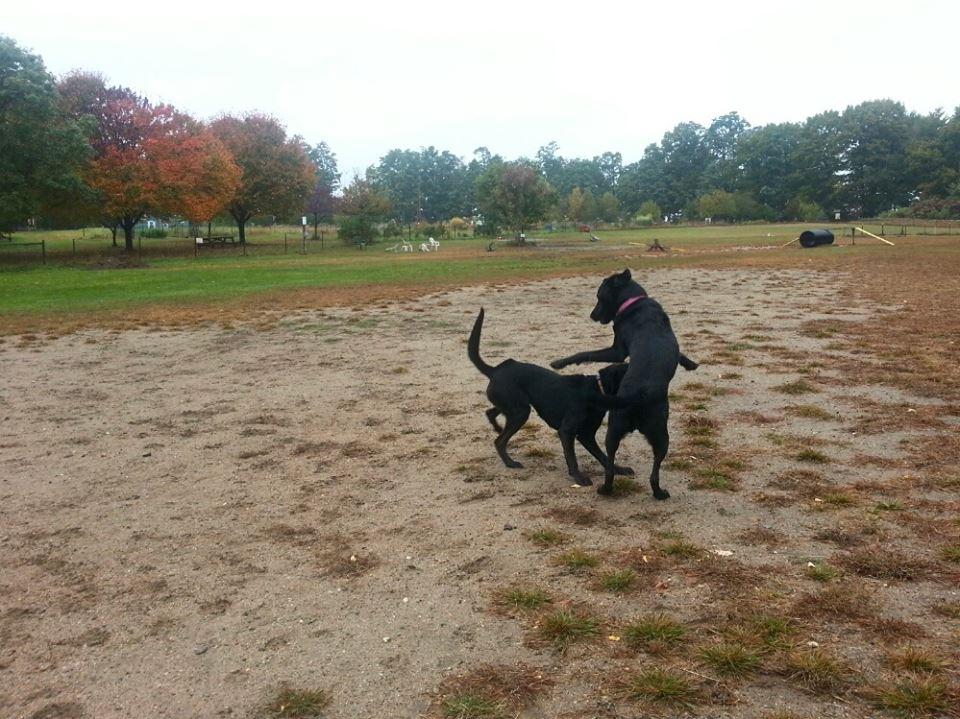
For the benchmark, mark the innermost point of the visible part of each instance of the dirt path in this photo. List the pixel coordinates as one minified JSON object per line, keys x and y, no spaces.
{"x":189,"y":519}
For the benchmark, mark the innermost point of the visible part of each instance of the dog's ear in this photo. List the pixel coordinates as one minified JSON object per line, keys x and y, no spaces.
{"x":624,"y":276}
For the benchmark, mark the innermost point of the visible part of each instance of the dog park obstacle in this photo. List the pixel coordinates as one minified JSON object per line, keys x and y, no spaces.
{"x":816,"y":238}
{"x":870,"y":234}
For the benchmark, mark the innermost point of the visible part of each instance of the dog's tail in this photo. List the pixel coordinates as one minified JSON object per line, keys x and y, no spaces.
{"x":688,"y":364}
{"x":473,"y":347}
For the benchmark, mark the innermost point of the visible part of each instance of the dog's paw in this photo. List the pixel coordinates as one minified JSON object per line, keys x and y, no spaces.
{"x":514,"y":464}
{"x":623,"y":471}
{"x":661,"y":494}
{"x":583,"y":480}
{"x":605,"y":490}
{"x":558,"y":364}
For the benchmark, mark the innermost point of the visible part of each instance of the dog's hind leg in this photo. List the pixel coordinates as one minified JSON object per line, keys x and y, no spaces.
{"x":618,"y":426}
{"x":515,"y":420}
{"x":589,"y":443}
{"x":659,"y":441}
{"x":492,"y":414}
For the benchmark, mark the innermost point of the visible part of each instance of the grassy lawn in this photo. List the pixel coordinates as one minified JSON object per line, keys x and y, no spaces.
{"x":108,"y":280}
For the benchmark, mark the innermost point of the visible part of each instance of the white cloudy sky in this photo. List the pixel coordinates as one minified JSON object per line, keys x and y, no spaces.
{"x":593,"y":75}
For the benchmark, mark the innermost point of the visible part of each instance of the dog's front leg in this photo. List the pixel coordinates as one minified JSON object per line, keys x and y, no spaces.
{"x":609,"y":354}
{"x":566,"y":441}
{"x":618,"y":425}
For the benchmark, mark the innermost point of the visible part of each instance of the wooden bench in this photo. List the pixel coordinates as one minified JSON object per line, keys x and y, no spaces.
{"x":215,"y":240}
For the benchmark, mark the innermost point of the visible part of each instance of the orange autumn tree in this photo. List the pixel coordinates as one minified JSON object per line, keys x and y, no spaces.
{"x":155,"y":160}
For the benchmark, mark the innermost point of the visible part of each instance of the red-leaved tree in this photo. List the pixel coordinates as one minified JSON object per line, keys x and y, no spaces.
{"x":148,"y":159}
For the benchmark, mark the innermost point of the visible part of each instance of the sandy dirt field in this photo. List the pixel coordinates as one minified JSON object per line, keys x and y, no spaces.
{"x":191,"y":519}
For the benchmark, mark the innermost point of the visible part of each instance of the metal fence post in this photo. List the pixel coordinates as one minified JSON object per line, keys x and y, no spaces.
{"x":43,"y":250}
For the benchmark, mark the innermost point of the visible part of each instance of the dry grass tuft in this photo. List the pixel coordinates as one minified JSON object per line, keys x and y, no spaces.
{"x":762,"y":535}
{"x":809,"y":411}
{"x":581,"y":516}
{"x":337,"y":559}
{"x":730,"y":659}
{"x":881,"y":562}
{"x":917,"y":696}
{"x":916,"y":659}
{"x":817,"y":671}
{"x":839,"y":601}
{"x":800,"y":386}
{"x":491,"y":691}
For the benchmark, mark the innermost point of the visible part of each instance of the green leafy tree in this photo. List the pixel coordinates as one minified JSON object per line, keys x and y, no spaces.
{"x":514,"y":194}
{"x":41,"y":150}
{"x":651,"y":209}
{"x":325,"y":166}
{"x":608,"y":207}
{"x":365,"y":206}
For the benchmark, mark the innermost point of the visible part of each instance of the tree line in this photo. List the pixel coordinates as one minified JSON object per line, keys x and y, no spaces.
{"x":76,"y":150}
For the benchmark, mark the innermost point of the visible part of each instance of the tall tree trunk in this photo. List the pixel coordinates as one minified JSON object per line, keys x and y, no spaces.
{"x":113,"y":231}
{"x":316,"y":222}
{"x":240,"y":216}
{"x":128,"y":224}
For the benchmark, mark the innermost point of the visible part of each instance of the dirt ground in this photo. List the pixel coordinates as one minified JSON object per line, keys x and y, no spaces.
{"x":191,"y":519}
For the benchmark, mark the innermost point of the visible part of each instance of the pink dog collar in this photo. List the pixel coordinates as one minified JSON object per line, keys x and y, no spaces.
{"x":629,"y":303}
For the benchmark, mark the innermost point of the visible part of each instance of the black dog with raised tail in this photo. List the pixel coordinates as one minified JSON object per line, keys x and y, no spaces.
{"x":574,"y":405}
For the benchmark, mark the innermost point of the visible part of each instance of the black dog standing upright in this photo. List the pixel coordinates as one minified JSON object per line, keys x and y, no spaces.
{"x":642,"y":331}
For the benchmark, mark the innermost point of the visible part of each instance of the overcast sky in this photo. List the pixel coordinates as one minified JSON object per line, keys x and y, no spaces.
{"x":592,"y":75}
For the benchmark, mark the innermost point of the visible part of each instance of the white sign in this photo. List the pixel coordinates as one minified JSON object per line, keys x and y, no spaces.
{"x":303,"y":220}
{"x":199,"y":240}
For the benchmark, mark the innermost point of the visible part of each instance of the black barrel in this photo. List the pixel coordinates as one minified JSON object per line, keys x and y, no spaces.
{"x":813,"y":238}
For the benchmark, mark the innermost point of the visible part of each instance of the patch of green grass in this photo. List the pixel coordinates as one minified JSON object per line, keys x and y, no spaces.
{"x":681,"y":549}
{"x":661,"y":686}
{"x":297,"y":704}
{"x":892,"y":506}
{"x":768,"y":632}
{"x":577,"y":560}
{"x":822,"y":572}
{"x":522,"y":598}
{"x":619,"y":581}
{"x":562,"y":628}
{"x":471,"y":706}
{"x":713,"y":478}
{"x":547,"y":537}
{"x":730,"y":659}
{"x":625,"y":486}
{"x":915,"y":696}
{"x":657,"y":631}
